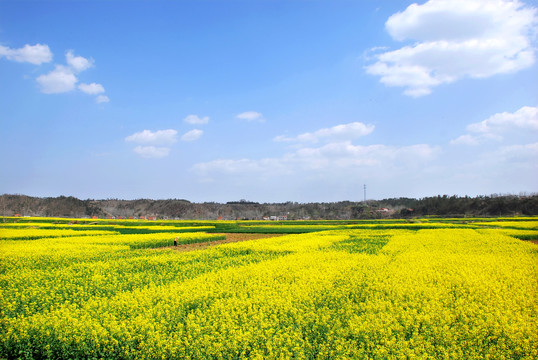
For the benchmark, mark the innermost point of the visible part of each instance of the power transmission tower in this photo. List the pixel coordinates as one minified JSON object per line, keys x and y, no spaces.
{"x":364,"y":192}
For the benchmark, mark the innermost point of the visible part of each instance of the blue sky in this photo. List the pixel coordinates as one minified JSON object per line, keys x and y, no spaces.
{"x":268,"y":101}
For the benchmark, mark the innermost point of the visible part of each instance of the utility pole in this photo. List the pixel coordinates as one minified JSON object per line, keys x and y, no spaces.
{"x":364,"y":192}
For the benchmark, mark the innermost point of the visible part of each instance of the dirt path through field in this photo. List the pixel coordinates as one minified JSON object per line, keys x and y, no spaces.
{"x":230,"y":238}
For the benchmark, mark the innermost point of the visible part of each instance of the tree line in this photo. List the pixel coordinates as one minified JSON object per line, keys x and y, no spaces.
{"x":442,"y":205}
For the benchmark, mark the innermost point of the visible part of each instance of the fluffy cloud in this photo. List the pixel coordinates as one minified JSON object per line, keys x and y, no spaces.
{"x":337,"y":155}
{"x":156,"y":143}
{"x":524,"y":121}
{"x":159,"y":137}
{"x":504,"y":154}
{"x":64,"y":78}
{"x":525,"y":118}
{"x":33,"y":54}
{"x":78,"y":63}
{"x":192,"y":135}
{"x":59,"y":80}
{"x":456,"y":39}
{"x":335,"y":168}
{"x":336,"y":133}
{"x":251,"y":116}
{"x":152,"y":152}
{"x":92,"y":89}
{"x":330,"y":159}
{"x":196,"y":120}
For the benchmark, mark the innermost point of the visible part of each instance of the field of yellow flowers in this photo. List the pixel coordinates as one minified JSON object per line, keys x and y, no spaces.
{"x":434,"y":289}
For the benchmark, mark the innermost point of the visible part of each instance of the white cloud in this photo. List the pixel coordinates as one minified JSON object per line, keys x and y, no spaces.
{"x":77,"y":63}
{"x":345,"y":154}
{"x":152,"y":152}
{"x":64,"y":78}
{"x":159,"y":137}
{"x":192,"y":135}
{"x":251,"y":116}
{"x":337,"y":154}
{"x":33,"y":54}
{"x":330,"y":159}
{"x":332,"y":167}
{"x":195,"y":119}
{"x":456,"y":39}
{"x":522,"y":122}
{"x":503,"y":158}
{"x":336,"y":171}
{"x":59,"y":80}
{"x":149,"y":138}
{"x":525,"y":118}
{"x":102,"y":99}
{"x":341,"y":132}
{"x":92,"y":89}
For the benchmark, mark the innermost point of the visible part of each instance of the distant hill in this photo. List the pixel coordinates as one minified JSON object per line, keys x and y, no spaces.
{"x":62,"y":206}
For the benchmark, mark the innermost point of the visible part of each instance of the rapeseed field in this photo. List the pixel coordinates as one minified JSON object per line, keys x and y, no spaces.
{"x":430,"y":290}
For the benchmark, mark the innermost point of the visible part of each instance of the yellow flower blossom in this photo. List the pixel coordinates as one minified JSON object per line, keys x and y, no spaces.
{"x":429,"y":291}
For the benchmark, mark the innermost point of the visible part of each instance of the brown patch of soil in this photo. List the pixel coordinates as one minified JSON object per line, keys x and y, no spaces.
{"x":230,"y":238}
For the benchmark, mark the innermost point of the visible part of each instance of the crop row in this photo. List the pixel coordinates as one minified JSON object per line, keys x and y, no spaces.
{"x":441,"y":293}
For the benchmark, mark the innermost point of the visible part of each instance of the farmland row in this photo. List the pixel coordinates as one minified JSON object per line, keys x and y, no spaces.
{"x":348,"y":292}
